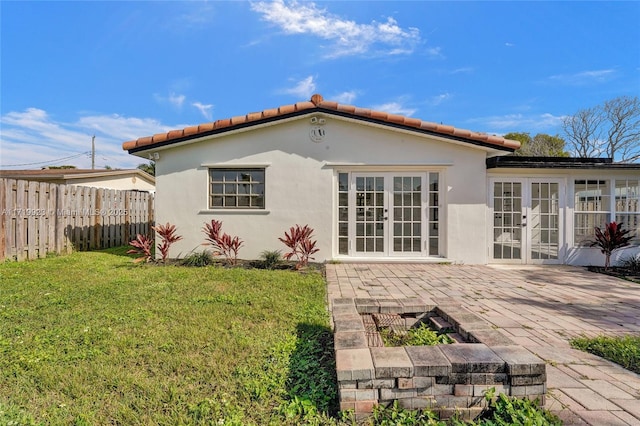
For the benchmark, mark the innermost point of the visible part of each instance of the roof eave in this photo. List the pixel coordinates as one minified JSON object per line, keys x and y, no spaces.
{"x":419,"y":129}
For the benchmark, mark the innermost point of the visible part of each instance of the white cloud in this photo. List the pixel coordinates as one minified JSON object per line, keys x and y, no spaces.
{"x":507,"y":44}
{"x":205,"y":110}
{"x":33,"y":136}
{"x":519,"y":123}
{"x":197,"y":14}
{"x":395,"y":108}
{"x":462,"y":70}
{"x":345,"y":97}
{"x":303,"y":89}
{"x":435,"y":52}
{"x":438,"y":99}
{"x":584,"y":77}
{"x":177,"y":100}
{"x":348,"y":37}
{"x":173,"y":99}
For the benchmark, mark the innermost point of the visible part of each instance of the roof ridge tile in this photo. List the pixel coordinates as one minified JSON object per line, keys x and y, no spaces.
{"x":317,"y":101}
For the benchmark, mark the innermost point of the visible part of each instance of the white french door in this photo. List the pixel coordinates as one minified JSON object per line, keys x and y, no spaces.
{"x":527,"y":220}
{"x":388,"y":214}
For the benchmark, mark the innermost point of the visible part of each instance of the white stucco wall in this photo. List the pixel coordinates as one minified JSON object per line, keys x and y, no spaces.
{"x":300,"y":183}
{"x":124,"y":183}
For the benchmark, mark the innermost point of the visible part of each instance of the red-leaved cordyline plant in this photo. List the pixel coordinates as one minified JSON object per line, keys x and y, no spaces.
{"x":612,"y":238}
{"x":167,"y":234}
{"x":223,"y":244}
{"x":142,"y":245}
{"x":298,"y":239}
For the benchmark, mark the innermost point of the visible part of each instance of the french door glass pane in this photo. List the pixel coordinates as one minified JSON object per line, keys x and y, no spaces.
{"x":407,"y":218}
{"x":543,"y":220}
{"x":507,"y":214}
{"x":370,"y":216}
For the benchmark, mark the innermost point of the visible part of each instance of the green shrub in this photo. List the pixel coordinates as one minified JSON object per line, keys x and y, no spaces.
{"x":417,"y":336}
{"x":200,"y":259}
{"x":621,"y":350}
{"x":505,"y":410}
{"x":395,"y":415}
{"x":270,"y":259}
{"x":632,"y":263}
{"x":501,"y":411}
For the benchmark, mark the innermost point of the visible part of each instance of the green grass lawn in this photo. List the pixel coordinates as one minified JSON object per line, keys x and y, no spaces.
{"x":91,"y":338}
{"x":621,"y":350}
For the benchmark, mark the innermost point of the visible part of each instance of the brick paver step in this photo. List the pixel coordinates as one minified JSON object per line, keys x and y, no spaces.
{"x":440,"y":325}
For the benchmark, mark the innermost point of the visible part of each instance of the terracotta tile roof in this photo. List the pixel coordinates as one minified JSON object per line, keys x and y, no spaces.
{"x":317,"y":103}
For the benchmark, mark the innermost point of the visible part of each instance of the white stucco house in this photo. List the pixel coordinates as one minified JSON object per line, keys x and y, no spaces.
{"x":383,"y":187}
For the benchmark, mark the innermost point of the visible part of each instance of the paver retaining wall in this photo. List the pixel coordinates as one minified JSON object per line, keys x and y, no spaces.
{"x":443,"y":378}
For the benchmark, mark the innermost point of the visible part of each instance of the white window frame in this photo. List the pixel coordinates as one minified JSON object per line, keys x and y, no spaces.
{"x":250,"y":194}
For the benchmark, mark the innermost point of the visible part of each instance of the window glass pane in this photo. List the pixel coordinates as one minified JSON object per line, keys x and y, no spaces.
{"x":243,"y":188}
{"x":433,"y":247}
{"x":343,"y":246}
{"x":257,"y":202}
{"x":417,"y":184}
{"x":397,"y":183}
{"x":433,"y":181}
{"x":343,"y":181}
{"x":379,"y":184}
{"x":406,"y":184}
{"x":257,"y":176}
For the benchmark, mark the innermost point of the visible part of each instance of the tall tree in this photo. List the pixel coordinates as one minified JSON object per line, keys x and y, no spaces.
{"x":149,"y":167}
{"x":611,"y":129}
{"x":541,"y":145}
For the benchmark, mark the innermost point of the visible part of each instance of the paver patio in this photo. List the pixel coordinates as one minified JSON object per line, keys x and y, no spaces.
{"x":539,"y":307}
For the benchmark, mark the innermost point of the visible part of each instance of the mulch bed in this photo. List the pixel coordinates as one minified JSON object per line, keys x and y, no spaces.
{"x":618,"y":272}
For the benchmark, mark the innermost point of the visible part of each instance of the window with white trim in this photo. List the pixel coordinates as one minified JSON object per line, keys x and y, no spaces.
{"x":591,"y":209}
{"x":236,"y":188}
{"x":627,"y":205}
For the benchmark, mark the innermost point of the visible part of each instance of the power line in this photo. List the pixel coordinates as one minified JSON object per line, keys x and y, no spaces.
{"x":48,"y":161}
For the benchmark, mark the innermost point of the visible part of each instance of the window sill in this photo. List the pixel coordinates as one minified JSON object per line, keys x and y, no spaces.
{"x":235,"y":212}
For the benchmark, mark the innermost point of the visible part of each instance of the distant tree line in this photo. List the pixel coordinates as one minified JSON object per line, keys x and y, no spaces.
{"x":610,"y":130}
{"x":149,"y":167}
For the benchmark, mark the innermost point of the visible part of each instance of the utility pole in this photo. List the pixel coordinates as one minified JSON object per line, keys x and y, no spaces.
{"x":93,"y":152}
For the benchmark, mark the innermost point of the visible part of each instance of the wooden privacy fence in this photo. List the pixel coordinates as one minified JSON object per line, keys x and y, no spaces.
{"x":37,"y":218}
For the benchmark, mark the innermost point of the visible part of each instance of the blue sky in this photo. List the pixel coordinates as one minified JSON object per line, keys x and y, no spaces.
{"x":122,"y":70}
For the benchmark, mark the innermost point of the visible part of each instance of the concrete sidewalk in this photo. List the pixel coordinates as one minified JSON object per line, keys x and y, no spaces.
{"x":539,"y":307}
